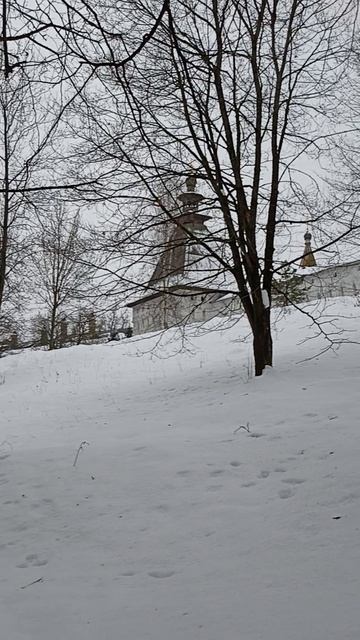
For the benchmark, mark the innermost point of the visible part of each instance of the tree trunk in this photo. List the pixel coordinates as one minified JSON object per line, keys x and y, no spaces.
{"x":262,"y":340}
{"x":268,"y":338}
{"x":52,"y":329}
{"x":259,"y":351}
{"x":5,"y":221}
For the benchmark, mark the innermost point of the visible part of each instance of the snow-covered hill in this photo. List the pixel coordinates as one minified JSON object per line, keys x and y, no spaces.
{"x":206,"y":506}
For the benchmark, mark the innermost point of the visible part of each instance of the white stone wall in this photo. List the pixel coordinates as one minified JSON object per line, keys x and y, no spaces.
{"x":169,"y":310}
{"x":341,"y":280}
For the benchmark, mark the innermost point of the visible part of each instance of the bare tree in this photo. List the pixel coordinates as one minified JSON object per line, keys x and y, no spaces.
{"x":47,"y":55}
{"x":77,"y":35}
{"x":31,"y":118}
{"x":61,"y":269}
{"x":18,"y":128}
{"x":244,"y":93}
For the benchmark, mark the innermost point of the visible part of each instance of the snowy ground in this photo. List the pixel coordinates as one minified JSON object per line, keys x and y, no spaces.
{"x":175,"y":523}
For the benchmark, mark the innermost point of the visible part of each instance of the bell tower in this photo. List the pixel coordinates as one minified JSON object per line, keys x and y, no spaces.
{"x":190,"y":199}
{"x":187,"y":223}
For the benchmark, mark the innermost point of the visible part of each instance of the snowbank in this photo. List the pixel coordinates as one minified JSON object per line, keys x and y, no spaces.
{"x":207,"y":504}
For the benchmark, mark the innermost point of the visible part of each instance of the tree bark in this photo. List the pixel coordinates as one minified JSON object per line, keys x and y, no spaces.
{"x":5,"y":220}
{"x":268,"y":339}
{"x":52,"y":328}
{"x":262,"y":340}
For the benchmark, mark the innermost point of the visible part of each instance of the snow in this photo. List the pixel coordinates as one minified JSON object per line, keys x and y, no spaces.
{"x":207,"y":505}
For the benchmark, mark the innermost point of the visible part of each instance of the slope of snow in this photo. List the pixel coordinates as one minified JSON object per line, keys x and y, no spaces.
{"x":207,"y":505}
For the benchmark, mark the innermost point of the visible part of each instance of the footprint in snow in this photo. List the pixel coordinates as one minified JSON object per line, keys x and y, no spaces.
{"x":264,"y":474}
{"x":293,"y":481}
{"x":216,"y":472}
{"x":32,"y":560}
{"x":161,"y":574}
{"x":235,"y":463}
{"x":286,"y":493}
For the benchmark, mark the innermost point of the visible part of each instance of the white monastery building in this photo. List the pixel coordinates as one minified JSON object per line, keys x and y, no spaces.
{"x":186,"y":286}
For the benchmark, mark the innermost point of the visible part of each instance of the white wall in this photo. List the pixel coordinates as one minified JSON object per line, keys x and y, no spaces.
{"x":168,"y":310}
{"x":186,"y":307}
{"x":342,"y":280}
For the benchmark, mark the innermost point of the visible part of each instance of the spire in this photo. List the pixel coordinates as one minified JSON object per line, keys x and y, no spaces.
{"x":308,"y":259}
{"x":191,"y":181}
{"x":190,"y":199}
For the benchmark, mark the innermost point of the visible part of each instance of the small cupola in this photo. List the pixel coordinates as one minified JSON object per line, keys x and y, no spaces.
{"x":190,"y":198}
{"x":308,"y":259}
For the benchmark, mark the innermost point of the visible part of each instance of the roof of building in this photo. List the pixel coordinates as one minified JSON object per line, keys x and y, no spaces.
{"x":174,"y":258}
{"x":193,"y":289}
{"x":308,"y":271}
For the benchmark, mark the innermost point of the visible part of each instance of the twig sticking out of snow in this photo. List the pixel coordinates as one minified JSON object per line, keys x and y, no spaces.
{"x":82,"y":445}
{"x":31,"y":583}
{"x":247,"y":428}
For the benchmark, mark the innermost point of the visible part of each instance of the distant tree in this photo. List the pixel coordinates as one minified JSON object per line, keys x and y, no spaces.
{"x":39,"y":330}
{"x":10,"y":330}
{"x":288,"y":288}
{"x":62,"y":270}
{"x":117,"y":322}
{"x":83,"y":323}
{"x":32,"y":111}
{"x":18,"y":134}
